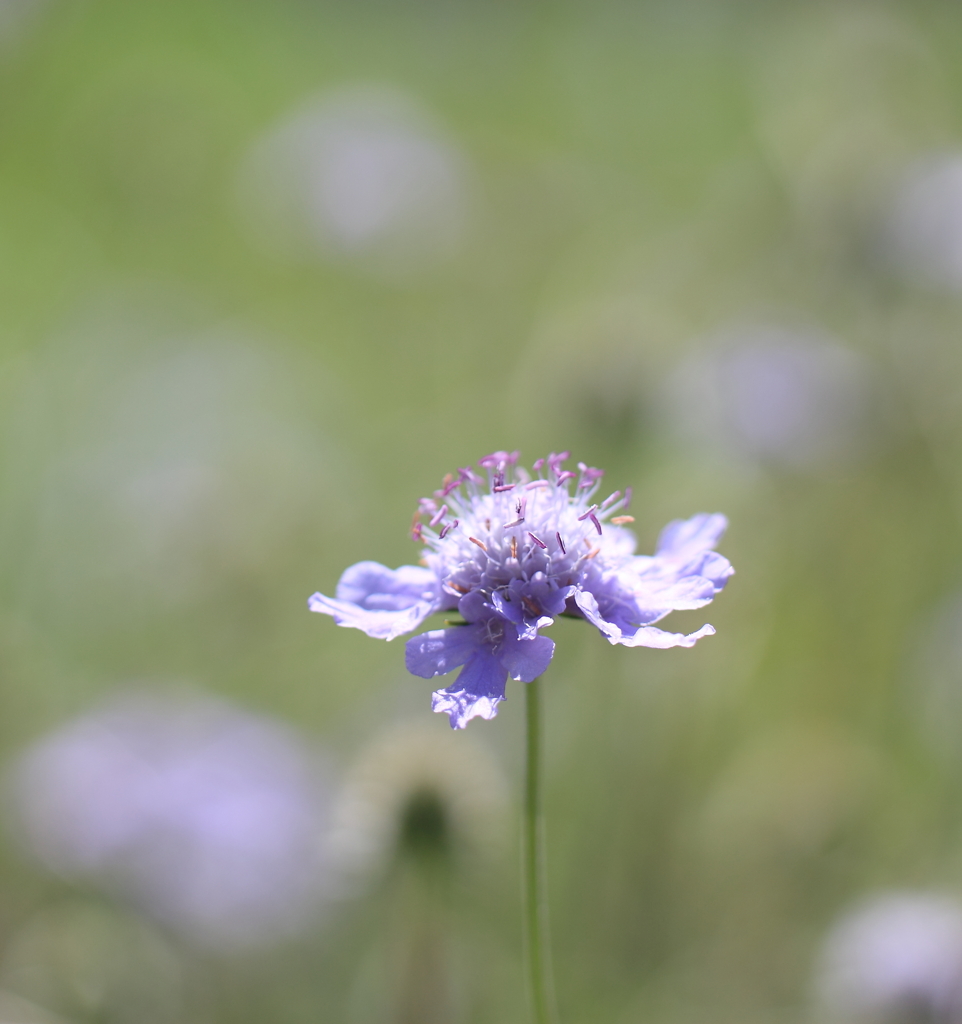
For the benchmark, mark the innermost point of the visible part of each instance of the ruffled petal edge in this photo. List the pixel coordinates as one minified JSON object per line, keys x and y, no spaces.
{"x":406,"y":596}
{"x":630,"y":635}
{"x":382,"y":625}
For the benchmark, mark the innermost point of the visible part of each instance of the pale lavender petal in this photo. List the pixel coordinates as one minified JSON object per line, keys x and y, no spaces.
{"x":685,"y":594}
{"x":441,"y":650}
{"x":588,"y":605}
{"x":375,"y":587}
{"x":476,"y":692}
{"x":716,"y":568}
{"x":651,"y":636}
{"x":525,"y":660}
{"x":682,"y":538}
{"x":382,"y":625}
{"x":620,"y":630}
{"x":382,"y":602}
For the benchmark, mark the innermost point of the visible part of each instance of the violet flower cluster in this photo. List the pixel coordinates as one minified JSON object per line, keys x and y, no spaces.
{"x":510,"y":551}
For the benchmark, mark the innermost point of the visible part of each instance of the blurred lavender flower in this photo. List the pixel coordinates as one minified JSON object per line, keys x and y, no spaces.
{"x":774,"y":394}
{"x":510,"y":553}
{"x":897,"y":958}
{"x":205,"y":816}
{"x":362,"y":173}
{"x":923,"y":235}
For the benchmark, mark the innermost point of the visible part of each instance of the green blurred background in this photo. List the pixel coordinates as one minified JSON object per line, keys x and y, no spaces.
{"x":269,"y":270}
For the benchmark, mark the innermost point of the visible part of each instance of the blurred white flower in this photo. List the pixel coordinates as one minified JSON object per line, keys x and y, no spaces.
{"x":417,"y":784}
{"x":896,"y":957}
{"x":923,"y":234}
{"x":773,"y":394}
{"x":207,"y":817}
{"x":361,"y":173}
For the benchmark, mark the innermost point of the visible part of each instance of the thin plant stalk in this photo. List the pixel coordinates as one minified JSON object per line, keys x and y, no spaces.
{"x":537,"y":942}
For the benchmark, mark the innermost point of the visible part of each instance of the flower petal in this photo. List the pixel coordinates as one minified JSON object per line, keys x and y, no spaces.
{"x":526,"y":626}
{"x":683,"y":538}
{"x":476,"y":692}
{"x":382,"y":602}
{"x":619,"y":629}
{"x":525,"y":660}
{"x":651,"y":636}
{"x":441,"y":650}
{"x":377,"y":588}
{"x":655,"y":599}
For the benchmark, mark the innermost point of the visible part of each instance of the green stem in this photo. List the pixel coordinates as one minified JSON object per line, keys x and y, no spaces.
{"x":537,"y":948}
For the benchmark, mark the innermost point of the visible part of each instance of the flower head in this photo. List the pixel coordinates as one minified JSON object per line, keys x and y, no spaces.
{"x":510,"y":551}
{"x":195,"y":811}
{"x":898,"y":956}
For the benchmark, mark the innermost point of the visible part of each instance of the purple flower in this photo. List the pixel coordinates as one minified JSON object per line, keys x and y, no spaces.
{"x":511,"y":552}
{"x":197,"y":812}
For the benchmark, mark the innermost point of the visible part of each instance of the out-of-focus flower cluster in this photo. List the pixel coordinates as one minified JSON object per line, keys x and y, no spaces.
{"x":207,"y":817}
{"x":897,"y":957}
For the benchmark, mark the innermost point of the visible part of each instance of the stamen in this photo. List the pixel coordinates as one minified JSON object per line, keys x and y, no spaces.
{"x":519,"y":508}
{"x":538,"y":463}
{"x":590,"y":512}
{"x":537,"y":483}
{"x":480,"y":543}
{"x":447,"y":486}
{"x":566,"y":475}
{"x":496,"y":460}
{"x":554,"y":463}
{"x":561,"y":543}
{"x":594,"y":519}
{"x":439,"y":515}
{"x":610,"y":500}
{"x":537,"y":540}
{"x":514,"y":548}
{"x":458,"y":588}
{"x":627,"y":497}
{"x":503,"y":487}
{"x":487,"y":525}
{"x":445,"y":530}
{"x":619,"y":520}
{"x":593,"y":552}
{"x":530,"y":607}
{"x":416,"y":532}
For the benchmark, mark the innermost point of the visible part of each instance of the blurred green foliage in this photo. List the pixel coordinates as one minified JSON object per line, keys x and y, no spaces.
{"x":641,"y":175}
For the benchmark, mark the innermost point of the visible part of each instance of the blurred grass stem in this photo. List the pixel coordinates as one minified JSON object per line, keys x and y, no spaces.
{"x":537,"y":943}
